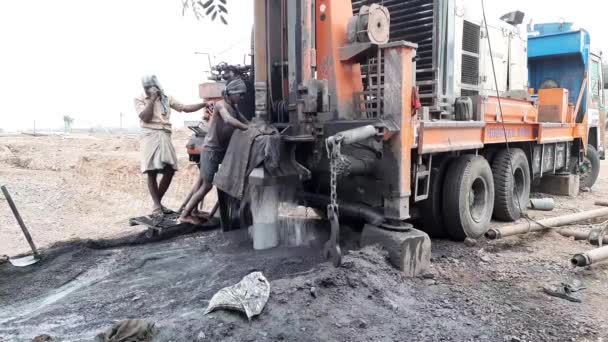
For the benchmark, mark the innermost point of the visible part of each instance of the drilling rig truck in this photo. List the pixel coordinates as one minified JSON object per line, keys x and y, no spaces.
{"x":419,"y":118}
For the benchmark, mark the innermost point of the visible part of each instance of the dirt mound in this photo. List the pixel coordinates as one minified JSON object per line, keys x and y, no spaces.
{"x":80,"y":186}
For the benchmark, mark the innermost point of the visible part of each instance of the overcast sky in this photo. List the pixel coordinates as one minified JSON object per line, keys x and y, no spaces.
{"x":85,"y":58}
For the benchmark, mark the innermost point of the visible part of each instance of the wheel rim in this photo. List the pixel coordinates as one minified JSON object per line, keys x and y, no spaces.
{"x":478,"y":199}
{"x":518,"y":188}
{"x":585,"y":170}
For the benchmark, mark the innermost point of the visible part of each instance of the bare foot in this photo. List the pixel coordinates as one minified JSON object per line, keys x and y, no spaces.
{"x":189,"y":219}
{"x":157,"y":211}
{"x":167,"y":210}
{"x":201,"y":215}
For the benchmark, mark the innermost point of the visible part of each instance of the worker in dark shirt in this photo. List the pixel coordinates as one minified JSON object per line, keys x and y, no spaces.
{"x":225,"y":119}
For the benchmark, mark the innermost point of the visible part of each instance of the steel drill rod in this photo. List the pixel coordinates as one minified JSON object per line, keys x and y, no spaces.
{"x":578,"y":235}
{"x":590,"y":257}
{"x":11,"y":204}
{"x":534,"y":226}
{"x":356,"y":135}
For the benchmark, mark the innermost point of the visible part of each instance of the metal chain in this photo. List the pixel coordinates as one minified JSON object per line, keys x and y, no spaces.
{"x":337,"y":166}
{"x":332,"y":248}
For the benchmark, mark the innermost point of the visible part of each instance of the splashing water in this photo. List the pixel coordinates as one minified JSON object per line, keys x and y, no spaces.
{"x":277,"y":219}
{"x":265,"y":213}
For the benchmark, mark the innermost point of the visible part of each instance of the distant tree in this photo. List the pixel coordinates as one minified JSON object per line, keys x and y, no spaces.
{"x":206,"y":8}
{"x":67,"y":123}
{"x":605,"y":76}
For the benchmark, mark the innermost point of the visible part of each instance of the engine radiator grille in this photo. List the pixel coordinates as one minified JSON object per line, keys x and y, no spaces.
{"x":414,"y":21}
{"x":469,"y":74}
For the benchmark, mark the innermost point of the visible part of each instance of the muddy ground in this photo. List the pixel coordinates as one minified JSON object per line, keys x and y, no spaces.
{"x":487,"y":292}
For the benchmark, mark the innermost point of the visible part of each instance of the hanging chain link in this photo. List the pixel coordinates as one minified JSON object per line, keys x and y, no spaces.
{"x":336,"y":167}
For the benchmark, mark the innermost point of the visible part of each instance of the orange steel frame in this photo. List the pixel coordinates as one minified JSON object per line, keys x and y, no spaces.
{"x":344,"y":78}
{"x":518,"y":120}
{"x":519,"y":124}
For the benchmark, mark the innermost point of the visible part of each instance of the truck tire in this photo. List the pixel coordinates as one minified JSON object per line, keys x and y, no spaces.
{"x":431,"y":209}
{"x":590,"y":169}
{"x":511,"y":186}
{"x":468,"y":197}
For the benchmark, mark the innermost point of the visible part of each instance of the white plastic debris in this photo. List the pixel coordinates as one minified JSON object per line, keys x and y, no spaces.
{"x":249,"y":296}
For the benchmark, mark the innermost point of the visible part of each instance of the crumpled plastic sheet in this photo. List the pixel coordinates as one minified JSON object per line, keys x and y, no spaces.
{"x":129,"y":330}
{"x":248,"y":296}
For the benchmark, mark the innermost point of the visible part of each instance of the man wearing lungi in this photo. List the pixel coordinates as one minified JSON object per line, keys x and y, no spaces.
{"x":157,"y":151}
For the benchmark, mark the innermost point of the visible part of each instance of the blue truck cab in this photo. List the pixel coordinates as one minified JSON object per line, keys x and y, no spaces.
{"x":560,"y":56}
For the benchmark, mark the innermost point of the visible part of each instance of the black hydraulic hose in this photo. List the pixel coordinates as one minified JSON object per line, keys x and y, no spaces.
{"x":350,"y":210}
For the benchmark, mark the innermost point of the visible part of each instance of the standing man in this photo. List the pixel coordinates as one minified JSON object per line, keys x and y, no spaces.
{"x":225,"y":119}
{"x":157,"y":151}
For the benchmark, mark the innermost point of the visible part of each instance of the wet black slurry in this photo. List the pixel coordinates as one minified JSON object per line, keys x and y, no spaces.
{"x":83,"y":287}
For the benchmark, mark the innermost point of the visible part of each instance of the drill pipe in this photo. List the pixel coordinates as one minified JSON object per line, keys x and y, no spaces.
{"x":590,"y":257}
{"x":578,"y":235}
{"x":535,"y":226}
{"x":355,"y":135}
{"x":260,"y":60}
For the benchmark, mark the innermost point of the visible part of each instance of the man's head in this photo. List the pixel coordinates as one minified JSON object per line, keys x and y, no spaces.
{"x":151,"y":84}
{"x":235,"y":90}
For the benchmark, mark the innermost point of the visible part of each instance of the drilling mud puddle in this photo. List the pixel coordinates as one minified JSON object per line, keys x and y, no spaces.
{"x":81,"y":288}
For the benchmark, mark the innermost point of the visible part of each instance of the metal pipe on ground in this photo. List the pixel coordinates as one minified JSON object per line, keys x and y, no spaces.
{"x":535,"y":226}
{"x":544,"y":204}
{"x":602,"y":203}
{"x":591,"y":236}
{"x":590,"y":257}
{"x":351,"y":210}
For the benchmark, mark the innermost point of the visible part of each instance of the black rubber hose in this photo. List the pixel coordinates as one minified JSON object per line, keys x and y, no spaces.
{"x":350,"y":210}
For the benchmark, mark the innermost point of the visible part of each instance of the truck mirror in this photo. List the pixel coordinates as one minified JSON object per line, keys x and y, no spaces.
{"x":514,"y":18}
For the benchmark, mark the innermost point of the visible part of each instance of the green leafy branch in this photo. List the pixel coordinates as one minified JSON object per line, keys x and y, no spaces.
{"x":206,"y":8}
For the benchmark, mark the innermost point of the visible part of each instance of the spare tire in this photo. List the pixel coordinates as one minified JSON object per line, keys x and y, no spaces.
{"x":468,"y":197}
{"x":511,"y":186}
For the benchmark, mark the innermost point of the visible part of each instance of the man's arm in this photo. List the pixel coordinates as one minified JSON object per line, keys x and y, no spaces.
{"x":180,"y":107}
{"x":243,"y":119}
{"x":145,"y":111}
{"x":194,"y":107}
{"x":229,"y":119}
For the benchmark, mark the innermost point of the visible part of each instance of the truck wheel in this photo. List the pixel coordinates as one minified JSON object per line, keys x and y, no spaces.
{"x":590,"y":168}
{"x":512,"y":186}
{"x":431,"y":209}
{"x":468,"y":197}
